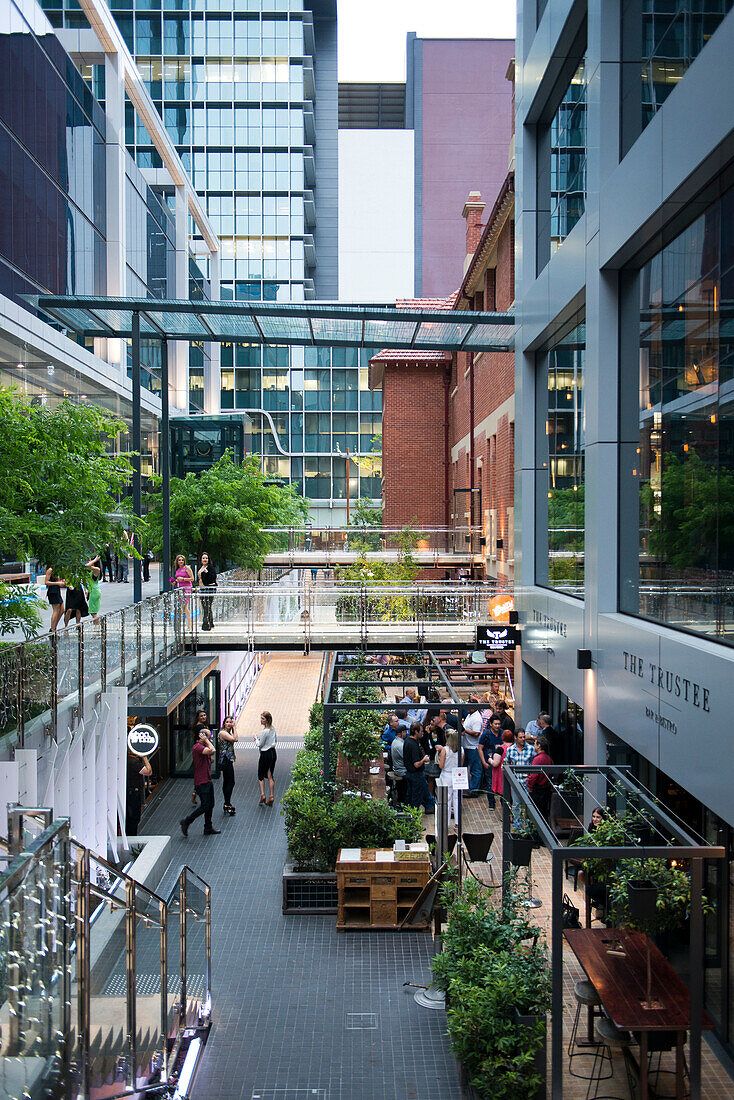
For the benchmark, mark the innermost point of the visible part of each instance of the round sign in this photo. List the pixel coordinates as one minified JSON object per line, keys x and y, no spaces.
{"x":500,"y":608}
{"x":142,"y":740}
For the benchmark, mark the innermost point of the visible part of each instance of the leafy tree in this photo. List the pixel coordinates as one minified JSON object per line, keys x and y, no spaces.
{"x":223,"y":511}
{"x":60,"y":487}
{"x":366,"y":514}
{"x":18,"y":611}
{"x":696,"y":513}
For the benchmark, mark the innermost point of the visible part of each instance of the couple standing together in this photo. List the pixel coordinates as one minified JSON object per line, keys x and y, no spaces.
{"x":202,"y":753}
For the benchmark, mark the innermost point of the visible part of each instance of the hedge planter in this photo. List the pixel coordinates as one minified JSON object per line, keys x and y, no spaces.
{"x":519,"y":849}
{"x":540,"y":1061}
{"x":642,"y":897}
{"x":311,"y":892}
{"x":467,"y":1092}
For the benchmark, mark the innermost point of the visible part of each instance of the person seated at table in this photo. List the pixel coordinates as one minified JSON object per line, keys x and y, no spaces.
{"x":596,"y":891}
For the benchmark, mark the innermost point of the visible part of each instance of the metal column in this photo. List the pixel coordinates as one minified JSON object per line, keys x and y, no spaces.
{"x":165,"y":470}
{"x":136,"y":441}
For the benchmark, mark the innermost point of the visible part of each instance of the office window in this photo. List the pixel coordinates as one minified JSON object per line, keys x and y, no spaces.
{"x":560,"y":465}
{"x":677,"y":485}
{"x":660,"y":40}
{"x":568,"y":159}
{"x":317,"y":478}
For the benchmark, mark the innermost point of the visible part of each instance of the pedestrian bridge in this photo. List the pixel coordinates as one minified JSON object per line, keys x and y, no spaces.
{"x":431,"y":615}
{"x":326,"y":547}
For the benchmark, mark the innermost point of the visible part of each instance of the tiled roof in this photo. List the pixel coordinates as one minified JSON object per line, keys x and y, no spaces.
{"x":415,"y":355}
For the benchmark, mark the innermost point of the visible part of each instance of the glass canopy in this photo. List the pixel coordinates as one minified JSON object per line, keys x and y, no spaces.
{"x":309,"y":323}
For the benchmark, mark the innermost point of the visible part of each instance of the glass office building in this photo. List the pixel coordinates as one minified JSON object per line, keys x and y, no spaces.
{"x":248,"y":94}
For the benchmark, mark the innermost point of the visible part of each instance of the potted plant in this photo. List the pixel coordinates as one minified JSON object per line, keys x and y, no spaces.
{"x":521,"y":839}
{"x":633,"y":884}
{"x":571,"y":791}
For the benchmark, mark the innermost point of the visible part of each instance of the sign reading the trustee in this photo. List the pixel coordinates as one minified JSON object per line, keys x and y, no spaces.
{"x":498,"y":639}
{"x":142,"y":740}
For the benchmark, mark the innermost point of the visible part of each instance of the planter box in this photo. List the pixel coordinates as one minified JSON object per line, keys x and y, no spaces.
{"x":540,"y":1060}
{"x":467,"y":1092}
{"x":311,"y":892}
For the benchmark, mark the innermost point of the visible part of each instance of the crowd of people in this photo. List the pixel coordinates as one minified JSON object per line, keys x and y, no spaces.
{"x":425,"y":736}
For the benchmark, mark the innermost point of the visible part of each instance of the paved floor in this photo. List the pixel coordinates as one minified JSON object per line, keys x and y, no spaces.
{"x":300,"y":1011}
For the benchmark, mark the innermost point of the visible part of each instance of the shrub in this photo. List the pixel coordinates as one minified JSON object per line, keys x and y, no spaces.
{"x":358,"y":736}
{"x":494,"y":961}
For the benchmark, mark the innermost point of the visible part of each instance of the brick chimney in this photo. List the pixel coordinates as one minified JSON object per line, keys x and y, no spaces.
{"x":472,"y":212}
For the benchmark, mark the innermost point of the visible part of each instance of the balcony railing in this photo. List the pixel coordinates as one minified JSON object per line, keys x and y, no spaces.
{"x":102,"y":976}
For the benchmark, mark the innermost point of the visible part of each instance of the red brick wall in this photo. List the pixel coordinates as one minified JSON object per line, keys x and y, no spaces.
{"x":413,"y":444}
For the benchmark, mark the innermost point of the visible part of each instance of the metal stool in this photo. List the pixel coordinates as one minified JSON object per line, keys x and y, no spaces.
{"x":586,"y":997}
{"x":659,"y":1043}
{"x":610,"y":1039}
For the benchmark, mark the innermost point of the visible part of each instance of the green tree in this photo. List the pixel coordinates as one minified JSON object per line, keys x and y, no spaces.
{"x":60,"y":486}
{"x":223,"y":511}
{"x":695,"y":518}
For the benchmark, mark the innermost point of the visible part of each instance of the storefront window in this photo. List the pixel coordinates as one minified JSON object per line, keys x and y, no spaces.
{"x":680,"y":480}
{"x":560,"y":479}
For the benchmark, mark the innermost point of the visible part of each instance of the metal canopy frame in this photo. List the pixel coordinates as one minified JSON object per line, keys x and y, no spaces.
{"x":310,"y":324}
{"x":687,"y":847}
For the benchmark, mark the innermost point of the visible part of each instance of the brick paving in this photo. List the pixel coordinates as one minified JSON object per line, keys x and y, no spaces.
{"x":716,"y":1082}
{"x":284,"y":987}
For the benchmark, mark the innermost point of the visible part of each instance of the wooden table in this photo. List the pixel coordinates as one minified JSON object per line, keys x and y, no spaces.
{"x":615,"y":962}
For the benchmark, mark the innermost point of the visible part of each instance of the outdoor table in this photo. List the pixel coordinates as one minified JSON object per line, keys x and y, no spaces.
{"x":615,"y":962}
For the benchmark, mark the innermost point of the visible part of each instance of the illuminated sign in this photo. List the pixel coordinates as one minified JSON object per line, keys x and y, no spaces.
{"x":142,"y":740}
{"x":498,"y":639}
{"x":500,"y":608}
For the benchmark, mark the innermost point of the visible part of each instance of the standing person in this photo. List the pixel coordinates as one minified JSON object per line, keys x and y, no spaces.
{"x":184,"y":579}
{"x":415,"y":760}
{"x":54,"y":585}
{"x":94,"y":596}
{"x":504,"y":716}
{"x":498,"y":759}
{"x":203,"y":751}
{"x":106,"y":558}
{"x":227,"y":741}
{"x":127,"y":540}
{"x":207,"y":588}
{"x":539,"y":784}
{"x":265,"y":741}
{"x":76,"y":604}
{"x":472,"y":732}
{"x":147,"y":559}
{"x":488,"y":743}
{"x":135,"y":791}
{"x":448,"y":762}
{"x":520,"y":752}
{"x":398,"y":764}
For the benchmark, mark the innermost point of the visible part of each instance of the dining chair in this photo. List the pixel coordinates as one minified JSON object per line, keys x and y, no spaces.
{"x":477,"y":849}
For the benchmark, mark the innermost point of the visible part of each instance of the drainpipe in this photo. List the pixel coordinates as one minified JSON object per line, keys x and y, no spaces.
{"x":472,"y":462}
{"x":446,"y":447}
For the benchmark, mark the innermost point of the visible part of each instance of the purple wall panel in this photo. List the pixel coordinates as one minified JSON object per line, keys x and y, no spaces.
{"x":467,"y":127}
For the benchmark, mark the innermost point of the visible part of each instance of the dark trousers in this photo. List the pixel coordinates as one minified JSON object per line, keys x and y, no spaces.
{"x":107,"y":567}
{"x":227,"y":769}
{"x":418,"y":793}
{"x":205,"y":792}
{"x":207,"y":616}
{"x":146,"y":568}
{"x":541,"y":796}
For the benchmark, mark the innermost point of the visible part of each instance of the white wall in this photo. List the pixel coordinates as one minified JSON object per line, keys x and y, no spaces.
{"x":375,"y":215}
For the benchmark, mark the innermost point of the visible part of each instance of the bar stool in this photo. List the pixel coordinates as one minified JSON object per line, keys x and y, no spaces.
{"x":610,"y":1039}
{"x":586,"y":997}
{"x":659,"y":1043}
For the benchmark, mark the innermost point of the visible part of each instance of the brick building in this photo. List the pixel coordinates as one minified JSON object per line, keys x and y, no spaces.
{"x":448,"y":429}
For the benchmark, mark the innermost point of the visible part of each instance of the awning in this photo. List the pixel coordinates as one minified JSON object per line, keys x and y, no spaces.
{"x":316,"y":324}
{"x":163,"y":691}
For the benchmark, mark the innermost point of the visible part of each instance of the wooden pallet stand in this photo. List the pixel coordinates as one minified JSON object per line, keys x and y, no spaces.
{"x":377,"y":893}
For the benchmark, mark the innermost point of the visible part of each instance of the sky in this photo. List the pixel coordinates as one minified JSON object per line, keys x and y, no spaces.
{"x":372,"y":35}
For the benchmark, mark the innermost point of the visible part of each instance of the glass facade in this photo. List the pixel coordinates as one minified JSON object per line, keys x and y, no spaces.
{"x":660,"y":41}
{"x":52,"y":167}
{"x":681,"y":478}
{"x":234,"y":85}
{"x":560,"y":476}
{"x":568,"y":159}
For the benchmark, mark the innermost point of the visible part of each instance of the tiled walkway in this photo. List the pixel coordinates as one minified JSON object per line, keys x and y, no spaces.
{"x":289,"y":993}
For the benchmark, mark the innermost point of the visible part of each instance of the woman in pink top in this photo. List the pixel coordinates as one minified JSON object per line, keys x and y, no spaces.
{"x":184,"y":579}
{"x":498,"y":759}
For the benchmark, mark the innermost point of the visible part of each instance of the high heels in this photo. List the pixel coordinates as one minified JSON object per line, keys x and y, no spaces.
{"x":262,"y":799}
{"x":270,"y":802}
{"x":229,"y":810}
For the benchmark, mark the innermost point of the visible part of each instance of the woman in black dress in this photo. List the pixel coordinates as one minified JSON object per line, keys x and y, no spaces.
{"x":207,"y":588}
{"x":54,"y":585}
{"x":76,"y":605}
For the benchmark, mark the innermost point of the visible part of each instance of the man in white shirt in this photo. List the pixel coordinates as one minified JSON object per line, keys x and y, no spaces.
{"x":472,"y":732}
{"x":411,"y":700}
{"x":532,"y":730}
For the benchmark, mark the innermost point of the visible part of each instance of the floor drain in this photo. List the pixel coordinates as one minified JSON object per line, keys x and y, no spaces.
{"x":289,"y":1094}
{"x":361,"y":1021}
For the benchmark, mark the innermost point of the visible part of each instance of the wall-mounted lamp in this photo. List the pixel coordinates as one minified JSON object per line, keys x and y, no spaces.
{"x":583,"y":658}
{"x":500,"y":544}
